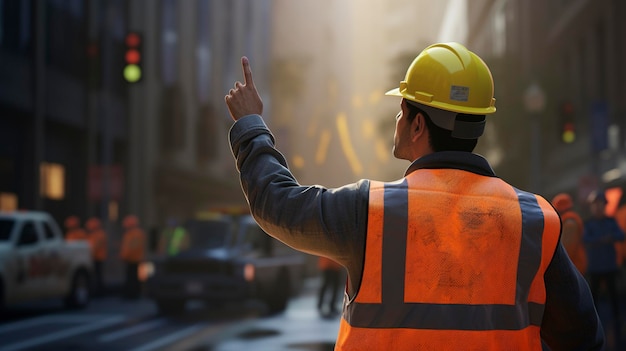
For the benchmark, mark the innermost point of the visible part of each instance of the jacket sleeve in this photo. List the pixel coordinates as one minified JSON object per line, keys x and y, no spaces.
{"x":570,"y":320}
{"x":313,"y":219}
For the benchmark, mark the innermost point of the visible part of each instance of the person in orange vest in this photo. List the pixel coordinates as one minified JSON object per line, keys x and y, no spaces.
{"x":620,"y":217}
{"x":331,"y":276}
{"x":132,"y":253}
{"x":98,"y":240}
{"x":448,"y":257}
{"x":73,"y":230}
{"x":572,"y":231}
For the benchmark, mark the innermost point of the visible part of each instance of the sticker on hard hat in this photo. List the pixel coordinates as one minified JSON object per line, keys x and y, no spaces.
{"x":459,"y":93}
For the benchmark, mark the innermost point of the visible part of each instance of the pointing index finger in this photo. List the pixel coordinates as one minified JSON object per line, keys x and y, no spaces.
{"x":247,"y":72}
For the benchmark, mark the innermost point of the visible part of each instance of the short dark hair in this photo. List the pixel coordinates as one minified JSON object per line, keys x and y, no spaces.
{"x":441,"y":139}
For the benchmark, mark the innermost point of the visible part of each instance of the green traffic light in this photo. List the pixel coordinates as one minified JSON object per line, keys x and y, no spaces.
{"x":132,"y":73}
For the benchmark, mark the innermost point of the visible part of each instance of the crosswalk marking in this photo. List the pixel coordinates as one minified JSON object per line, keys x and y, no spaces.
{"x":63,"y":333}
{"x":132,"y":330}
{"x":54,"y":319}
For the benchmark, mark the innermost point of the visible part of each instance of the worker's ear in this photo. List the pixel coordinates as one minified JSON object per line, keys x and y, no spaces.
{"x":417,"y":126}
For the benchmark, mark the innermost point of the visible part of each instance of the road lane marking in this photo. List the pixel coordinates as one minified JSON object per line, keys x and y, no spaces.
{"x":171,"y":338}
{"x":63,"y":334}
{"x":132,"y":330}
{"x":54,"y":319}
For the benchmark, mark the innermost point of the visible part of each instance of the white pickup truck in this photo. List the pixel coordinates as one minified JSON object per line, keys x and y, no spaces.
{"x":37,"y":263}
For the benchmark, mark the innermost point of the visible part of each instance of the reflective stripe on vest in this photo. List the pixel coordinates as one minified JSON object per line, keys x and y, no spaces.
{"x":176,"y":241}
{"x":435,"y":271}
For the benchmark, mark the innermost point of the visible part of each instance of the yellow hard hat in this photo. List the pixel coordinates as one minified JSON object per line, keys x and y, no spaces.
{"x":449,"y":77}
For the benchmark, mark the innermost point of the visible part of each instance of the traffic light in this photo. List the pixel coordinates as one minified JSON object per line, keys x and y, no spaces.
{"x":568,"y":127}
{"x":569,"y":133}
{"x":133,"y":57}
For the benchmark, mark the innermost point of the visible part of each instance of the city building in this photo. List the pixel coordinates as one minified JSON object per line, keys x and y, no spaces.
{"x":81,"y":137}
{"x":559,"y":90}
{"x":63,"y":120}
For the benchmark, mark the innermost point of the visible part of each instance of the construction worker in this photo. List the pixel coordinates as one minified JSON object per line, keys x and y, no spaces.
{"x":331,"y":277}
{"x":173,"y":238}
{"x":73,"y":230}
{"x":449,"y":257}
{"x":98,"y":241}
{"x":132,"y":253}
{"x":601,"y":233}
{"x":620,"y":217}
{"x":572,"y":231}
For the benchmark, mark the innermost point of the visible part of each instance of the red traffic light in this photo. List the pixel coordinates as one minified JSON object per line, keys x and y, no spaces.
{"x":132,"y":57}
{"x":132,"y":40}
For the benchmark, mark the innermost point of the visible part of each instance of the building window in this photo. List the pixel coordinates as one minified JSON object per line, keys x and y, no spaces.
{"x":173,"y":122}
{"x":203,"y":51}
{"x":169,"y":42}
{"x":206,"y":135}
{"x":65,"y":39}
{"x":52,"y":181}
{"x":8,"y":202}
{"x":15,"y":25}
{"x":499,"y":33}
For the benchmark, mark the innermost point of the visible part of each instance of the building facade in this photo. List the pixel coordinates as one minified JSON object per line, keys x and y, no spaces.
{"x":63,"y":122}
{"x":79,"y":139}
{"x":559,"y":90}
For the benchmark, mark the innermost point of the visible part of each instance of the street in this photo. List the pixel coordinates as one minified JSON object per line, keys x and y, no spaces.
{"x":113,"y":323}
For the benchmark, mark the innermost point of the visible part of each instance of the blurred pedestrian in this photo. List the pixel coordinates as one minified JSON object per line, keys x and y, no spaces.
{"x":572,"y":230}
{"x":73,"y":230}
{"x":600,"y":235}
{"x":132,"y":253}
{"x":449,"y":256}
{"x":331,"y":278}
{"x":173,"y":238}
{"x":99,"y":250}
{"x":620,"y":217}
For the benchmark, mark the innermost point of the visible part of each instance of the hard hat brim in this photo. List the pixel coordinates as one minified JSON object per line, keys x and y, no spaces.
{"x":394,"y":92}
{"x":444,"y":106}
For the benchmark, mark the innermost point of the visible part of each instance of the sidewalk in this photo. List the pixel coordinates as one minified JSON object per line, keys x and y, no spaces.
{"x":300,"y":327}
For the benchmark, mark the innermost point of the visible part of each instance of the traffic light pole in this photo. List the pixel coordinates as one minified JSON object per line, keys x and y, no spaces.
{"x":535,"y":168}
{"x":39,"y":87}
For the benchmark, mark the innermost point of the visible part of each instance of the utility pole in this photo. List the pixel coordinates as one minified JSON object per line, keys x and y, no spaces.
{"x":94,"y":67}
{"x":39,"y":99}
{"x":105,"y":110}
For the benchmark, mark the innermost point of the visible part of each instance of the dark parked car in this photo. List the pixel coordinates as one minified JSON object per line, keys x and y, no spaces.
{"x":228,"y":258}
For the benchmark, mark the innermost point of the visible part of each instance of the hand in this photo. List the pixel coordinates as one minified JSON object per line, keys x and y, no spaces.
{"x":244,"y":99}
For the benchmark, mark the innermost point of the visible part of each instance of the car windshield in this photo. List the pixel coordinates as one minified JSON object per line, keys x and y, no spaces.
{"x":208,"y":234}
{"x":6,"y":226}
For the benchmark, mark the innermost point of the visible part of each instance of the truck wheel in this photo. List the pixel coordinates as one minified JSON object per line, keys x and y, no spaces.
{"x":80,"y":291}
{"x":278,"y":294}
{"x":171,"y":307}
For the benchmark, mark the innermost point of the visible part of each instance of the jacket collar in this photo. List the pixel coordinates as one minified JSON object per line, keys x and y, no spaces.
{"x":466,"y":161}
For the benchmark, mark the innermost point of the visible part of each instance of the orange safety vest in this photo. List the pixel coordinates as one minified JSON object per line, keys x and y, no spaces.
{"x":133,"y":246}
{"x":573,"y":244}
{"x":98,"y":245}
{"x":453,"y":261}
{"x":620,"y":246}
{"x":76,"y":234}
{"x":325,"y":263}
